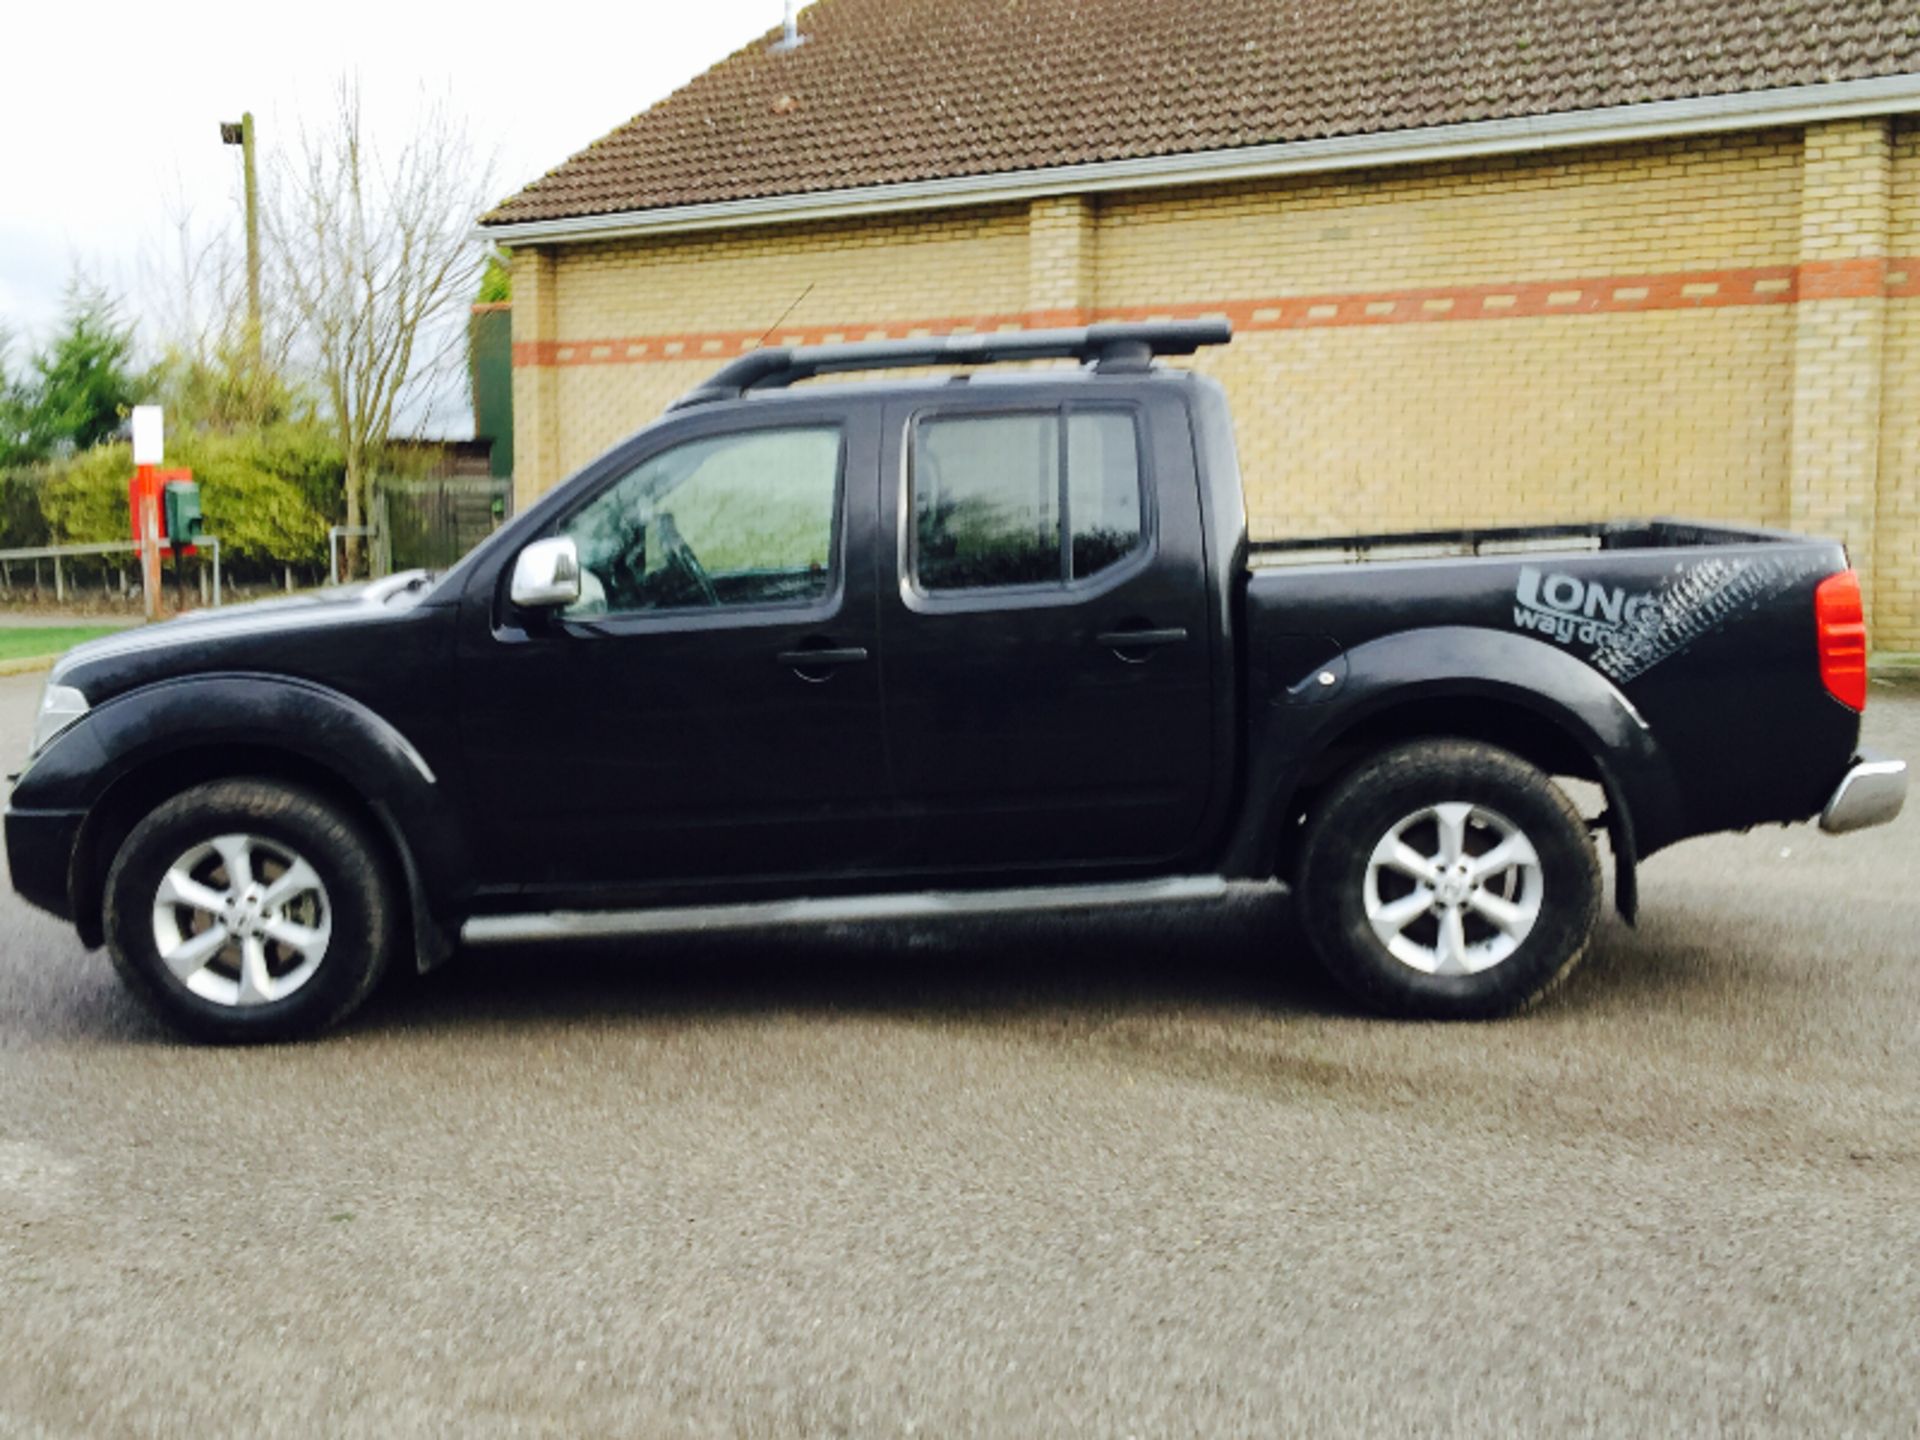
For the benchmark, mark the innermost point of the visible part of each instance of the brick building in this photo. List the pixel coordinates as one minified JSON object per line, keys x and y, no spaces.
{"x":1505,"y":262}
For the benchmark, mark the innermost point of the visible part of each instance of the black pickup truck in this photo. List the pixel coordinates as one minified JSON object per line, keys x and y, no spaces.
{"x":914,"y":647}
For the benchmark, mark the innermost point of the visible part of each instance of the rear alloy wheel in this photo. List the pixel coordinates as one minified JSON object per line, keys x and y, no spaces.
{"x":249,"y":910}
{"x":1448,"y":879}
{"x":1453,"y":889}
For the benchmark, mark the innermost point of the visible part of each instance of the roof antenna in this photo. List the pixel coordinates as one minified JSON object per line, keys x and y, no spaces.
{"x":786,"y":312}
{"x":790,"y":38}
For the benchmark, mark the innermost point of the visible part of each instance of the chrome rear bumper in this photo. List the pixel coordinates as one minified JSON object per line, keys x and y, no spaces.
{"x":1871,"y":794}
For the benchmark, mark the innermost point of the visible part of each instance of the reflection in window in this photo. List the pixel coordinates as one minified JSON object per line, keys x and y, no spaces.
{"x":990,"y":498}
{"x":1103,"y":487}
{"x":987,"y":501}
{"x":742,"y":519}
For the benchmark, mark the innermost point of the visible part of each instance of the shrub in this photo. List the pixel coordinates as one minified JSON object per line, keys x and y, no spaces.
{"x":268,"y":494}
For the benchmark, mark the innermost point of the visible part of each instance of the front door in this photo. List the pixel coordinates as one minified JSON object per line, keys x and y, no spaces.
{"x":1048,"y":638}
{"x":710,"y":708}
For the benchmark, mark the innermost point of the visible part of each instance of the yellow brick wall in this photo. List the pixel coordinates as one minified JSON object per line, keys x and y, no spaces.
{"x":1840,"y":335}
{"x":1703,"y":412}
{"x":1896,"y":564}
{"x":536,"y":458}
{"x":885,"y":268}
{"x":1523,"y":422}
{"x":1519,"y":421}
{"x":890,"y":268}
{"x":1701,"y":204}
{"x":1062,"y":258}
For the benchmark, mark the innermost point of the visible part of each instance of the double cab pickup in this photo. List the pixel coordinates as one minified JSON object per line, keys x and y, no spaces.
{"x":993,"y":640}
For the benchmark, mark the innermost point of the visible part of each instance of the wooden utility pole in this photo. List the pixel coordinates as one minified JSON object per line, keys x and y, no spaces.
{"x":241,"y":134}
{"x":253,"y":238}
{"x":150,"y":541}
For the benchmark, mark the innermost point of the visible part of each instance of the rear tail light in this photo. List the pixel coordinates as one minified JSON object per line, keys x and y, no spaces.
{"x":1842,"y":625}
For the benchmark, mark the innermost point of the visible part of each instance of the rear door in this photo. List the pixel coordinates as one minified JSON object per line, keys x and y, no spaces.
{"x":1048,"y":651}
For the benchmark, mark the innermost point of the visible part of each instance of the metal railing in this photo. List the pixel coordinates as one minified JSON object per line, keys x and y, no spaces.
{"x":56,"y":553}
{"x":334,"y":537}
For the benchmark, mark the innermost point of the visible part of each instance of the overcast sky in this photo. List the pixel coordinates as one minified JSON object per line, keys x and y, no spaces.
{"x":109,"y":111}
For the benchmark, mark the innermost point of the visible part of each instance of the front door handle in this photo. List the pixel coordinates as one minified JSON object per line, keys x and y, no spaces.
{"x":818,"y":664}
{"x":1142,"y":639}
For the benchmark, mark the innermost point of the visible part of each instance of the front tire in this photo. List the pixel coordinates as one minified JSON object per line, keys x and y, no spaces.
{"x":1448,"y":880}
{"x":249,"y":910}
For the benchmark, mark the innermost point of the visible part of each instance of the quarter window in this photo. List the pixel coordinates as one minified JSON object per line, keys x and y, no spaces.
{"x":732,"y":520}
{"x":994,"y":494}
{"x":1103,"y":489}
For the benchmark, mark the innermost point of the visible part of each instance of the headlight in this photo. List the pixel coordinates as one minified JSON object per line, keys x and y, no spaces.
{"x":60,"y":706}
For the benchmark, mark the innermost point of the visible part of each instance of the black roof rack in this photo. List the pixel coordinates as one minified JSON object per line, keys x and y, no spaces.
{"x":1122,"y":348}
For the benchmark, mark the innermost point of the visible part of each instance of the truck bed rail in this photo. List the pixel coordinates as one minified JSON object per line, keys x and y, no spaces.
{"x":1501,"y":540}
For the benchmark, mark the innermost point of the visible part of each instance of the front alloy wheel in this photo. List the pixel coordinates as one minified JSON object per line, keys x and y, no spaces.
{"x":250,"y":909}
{"x":242,"y":920}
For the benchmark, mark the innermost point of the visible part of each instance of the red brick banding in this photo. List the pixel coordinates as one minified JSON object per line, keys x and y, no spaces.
{"x":1897,"y":278}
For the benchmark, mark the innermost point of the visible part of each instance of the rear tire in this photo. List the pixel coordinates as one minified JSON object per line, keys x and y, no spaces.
{"x":1448,"y":880}
{"x":249,"y":910}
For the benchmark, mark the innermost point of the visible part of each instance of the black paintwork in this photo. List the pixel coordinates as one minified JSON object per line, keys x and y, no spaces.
{"x":521,"y":761}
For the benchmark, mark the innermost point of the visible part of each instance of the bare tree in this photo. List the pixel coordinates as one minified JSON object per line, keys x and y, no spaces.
{"x":193,"y":286}
{"x":375,"y":264}
{"x":186,"y":281}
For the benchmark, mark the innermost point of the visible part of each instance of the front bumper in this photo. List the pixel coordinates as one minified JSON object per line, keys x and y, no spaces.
{"x":1871,"y":793}
{"x":40,"y":856}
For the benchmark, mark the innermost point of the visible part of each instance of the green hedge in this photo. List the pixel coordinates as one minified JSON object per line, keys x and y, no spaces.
{"x":269,"y":495}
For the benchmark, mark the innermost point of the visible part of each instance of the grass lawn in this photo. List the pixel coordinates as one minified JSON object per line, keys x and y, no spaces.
{"x":29,"y":642}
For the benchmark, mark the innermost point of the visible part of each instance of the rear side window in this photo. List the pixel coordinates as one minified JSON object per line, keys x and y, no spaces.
{"x":1024,"y":499}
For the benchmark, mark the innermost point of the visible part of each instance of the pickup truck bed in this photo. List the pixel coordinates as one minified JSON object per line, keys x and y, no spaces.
{"x":1705,"y":634}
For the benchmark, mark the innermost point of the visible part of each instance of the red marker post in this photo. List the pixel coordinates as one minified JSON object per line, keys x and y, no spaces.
{"x":143,"y":499}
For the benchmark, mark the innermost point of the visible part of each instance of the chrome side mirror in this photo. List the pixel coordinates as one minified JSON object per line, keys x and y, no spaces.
{"x":546,"y":574}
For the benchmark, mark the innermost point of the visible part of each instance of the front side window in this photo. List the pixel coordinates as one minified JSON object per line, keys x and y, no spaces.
{"x":731,"y":520}
{"x":994,"y":494}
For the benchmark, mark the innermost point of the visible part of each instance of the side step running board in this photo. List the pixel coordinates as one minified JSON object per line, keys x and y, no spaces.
{"x":599,"y":924}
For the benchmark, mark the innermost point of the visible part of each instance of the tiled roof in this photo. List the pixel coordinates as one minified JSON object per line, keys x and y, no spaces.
{"x":901,"y":90}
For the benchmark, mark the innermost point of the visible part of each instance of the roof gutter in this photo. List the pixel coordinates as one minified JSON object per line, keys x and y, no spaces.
{"x":1663,"y":119}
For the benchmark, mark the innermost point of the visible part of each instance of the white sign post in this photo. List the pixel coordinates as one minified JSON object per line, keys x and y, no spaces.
{"x":149,"y":435}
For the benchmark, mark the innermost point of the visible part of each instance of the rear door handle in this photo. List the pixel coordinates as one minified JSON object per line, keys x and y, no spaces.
{"x":1142,"y":639}
{"x":817,"y":659}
